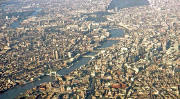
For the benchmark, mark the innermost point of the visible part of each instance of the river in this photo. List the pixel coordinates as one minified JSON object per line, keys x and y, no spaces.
{"x":120,"y":4}
{"x":23,"y":16}
{"x":14,"y":92}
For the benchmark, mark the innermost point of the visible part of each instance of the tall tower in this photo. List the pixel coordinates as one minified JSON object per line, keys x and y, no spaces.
{"x":56,"y":55}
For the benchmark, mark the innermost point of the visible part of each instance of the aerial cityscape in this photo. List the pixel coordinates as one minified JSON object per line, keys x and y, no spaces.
{"x":89,"y":49}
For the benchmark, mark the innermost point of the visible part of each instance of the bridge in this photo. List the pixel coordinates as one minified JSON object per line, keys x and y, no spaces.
{"x":53,"y":73}
{"x":115,"y":39}
{"x":89,"y":56}
{"x":99,"y":49}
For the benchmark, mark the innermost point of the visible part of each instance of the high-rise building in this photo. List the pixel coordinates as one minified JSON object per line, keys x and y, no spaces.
{"x":69,"y":54}
{"x":164,"y":45}
{"x":7,"y":17}
{"x":56,"y":55}
{"x":176,"y":46}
